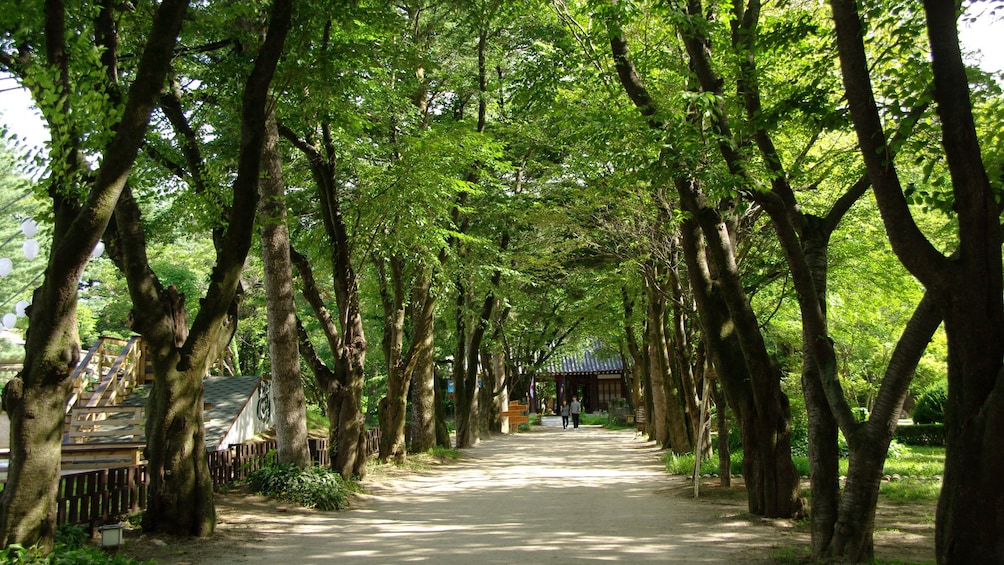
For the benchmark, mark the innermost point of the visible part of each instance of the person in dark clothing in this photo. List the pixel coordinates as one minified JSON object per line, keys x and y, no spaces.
{"x":575,"y":409}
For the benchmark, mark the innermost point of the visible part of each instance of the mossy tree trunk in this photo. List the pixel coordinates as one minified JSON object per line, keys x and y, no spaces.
{"x":180,"y":499}
{"x":36,"y":398}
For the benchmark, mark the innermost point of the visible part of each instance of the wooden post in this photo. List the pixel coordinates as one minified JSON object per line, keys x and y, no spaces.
{"x":700,"y":437}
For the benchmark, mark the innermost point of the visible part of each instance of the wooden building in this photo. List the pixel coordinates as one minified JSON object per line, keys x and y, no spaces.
{"x":595,"y":379}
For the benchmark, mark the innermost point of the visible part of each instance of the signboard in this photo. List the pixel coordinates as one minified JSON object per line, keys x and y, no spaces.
{"x":517,"y":414}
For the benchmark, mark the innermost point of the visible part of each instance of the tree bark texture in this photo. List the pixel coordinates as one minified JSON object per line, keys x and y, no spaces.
{"x":344,"y":333}
{"x":771,"y":479}
{"x":181,"y":491}
{"x":36,"y":399}
{"x":967,"y":289}
{"x":422,"y":363}
{"x":668,"y":416}
{"x":290,"y":412}
{"x":657,"y":368}
{"x":392,"y":408}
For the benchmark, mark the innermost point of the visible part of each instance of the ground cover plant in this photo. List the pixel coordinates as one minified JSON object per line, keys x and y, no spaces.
{"x":914,"y":472}
{"x":71,"y":548}
{"x":311,"y":487}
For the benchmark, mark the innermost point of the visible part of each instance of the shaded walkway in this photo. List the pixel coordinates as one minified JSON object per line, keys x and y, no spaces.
{"x":548,"y":496}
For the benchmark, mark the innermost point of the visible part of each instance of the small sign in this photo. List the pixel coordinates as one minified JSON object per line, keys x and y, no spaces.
{"x":517,"y":414}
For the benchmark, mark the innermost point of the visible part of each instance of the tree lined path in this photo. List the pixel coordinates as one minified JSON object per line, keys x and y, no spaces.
{"x":547,"y":496}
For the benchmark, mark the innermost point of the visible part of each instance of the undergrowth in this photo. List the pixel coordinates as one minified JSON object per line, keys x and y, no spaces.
{"x":310,"y":487}
{"x":70,"y":549}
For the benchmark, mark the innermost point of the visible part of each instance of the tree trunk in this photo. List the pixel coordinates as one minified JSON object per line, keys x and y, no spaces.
{"x":683,"y":356}
{"x":36,"y":410}
{"x":287,"y":387}
{"x":668,"y":417}
{"x":763,"y":409}
{"x":345,"y":336}
{"x":772,"y":482}
{"x":36,"y":399}
{"x":658,"y":418}
{"x":852,"y":534}
{"x":442,"y":430}
{"x":181,"y":488}
{"x":724,"y":450}
{"x":180,"y":498}
{"x":967,"y":289}
{"x":423,"y":379}
{"x":392,"y":409}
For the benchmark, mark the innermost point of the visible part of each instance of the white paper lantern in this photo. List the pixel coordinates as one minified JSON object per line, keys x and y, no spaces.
{"x":29,"y":228}
{"x":6,"y":266}
{"x":30,"y":249}
{"x":20,"y":307}
{"x":98,"y":250}
{"x":9,"y":320}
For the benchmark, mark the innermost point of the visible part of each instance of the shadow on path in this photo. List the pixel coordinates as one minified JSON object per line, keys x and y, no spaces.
{"x":546,"y":496}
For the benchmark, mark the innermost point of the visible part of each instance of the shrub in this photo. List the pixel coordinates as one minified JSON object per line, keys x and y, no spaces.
{"x":71,"y":537}
{"x":921,"y":434}
{"x":312,"y":487}
{"x":931,"y":405}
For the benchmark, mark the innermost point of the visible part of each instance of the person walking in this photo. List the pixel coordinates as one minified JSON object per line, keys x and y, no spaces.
{"x":575,"y":409}
{"x":564,"y":414}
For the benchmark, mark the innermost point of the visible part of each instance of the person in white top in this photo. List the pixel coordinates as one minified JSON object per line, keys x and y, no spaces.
{"x":575,"y":409}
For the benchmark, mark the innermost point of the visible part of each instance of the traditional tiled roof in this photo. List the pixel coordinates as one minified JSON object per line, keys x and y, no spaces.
{"x":588,"y":362}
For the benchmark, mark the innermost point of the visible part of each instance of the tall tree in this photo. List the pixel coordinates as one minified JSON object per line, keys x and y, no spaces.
{"x":752,"y":384}
{"x":966,"y":289}
{"x":287,"y":388}
{"x":44,"y":56}
{"x":181,"y":491}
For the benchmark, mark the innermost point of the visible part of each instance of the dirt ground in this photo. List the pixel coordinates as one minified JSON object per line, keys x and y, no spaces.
{"x":546,"y":496}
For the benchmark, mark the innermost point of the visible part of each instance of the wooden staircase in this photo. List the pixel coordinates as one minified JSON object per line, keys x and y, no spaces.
{"x":102,"y":381}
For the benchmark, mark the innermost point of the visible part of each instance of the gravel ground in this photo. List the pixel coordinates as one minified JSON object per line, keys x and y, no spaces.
{"x":547,"y":496}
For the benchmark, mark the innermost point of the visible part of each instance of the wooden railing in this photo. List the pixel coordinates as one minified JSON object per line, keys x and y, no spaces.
{"x":120,"y":370}
{"x":107,"y":424}
{"x":107,"y":373}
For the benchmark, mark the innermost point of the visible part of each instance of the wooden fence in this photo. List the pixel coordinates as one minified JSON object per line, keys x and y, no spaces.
{"x":95,"y":497}
{"x":91,"y":498}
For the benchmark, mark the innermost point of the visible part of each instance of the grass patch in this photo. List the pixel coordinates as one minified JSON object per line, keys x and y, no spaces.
{"x":917,"y":461}
{"x":791,"y":556}
{"x":911,"y":491}
{"x":919,"y":467}
{"x":684,"y":464}
{"x":317,"y":423}
{"x":444,"y":453}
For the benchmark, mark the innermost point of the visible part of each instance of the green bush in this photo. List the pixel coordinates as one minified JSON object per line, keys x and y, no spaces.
{"x":71,"y":537}
{"x":921,"y":434}
{"x":312,"y":487}
{"x":930,"y":407}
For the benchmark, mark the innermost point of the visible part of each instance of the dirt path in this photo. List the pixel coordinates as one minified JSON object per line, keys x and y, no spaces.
{"x":548,"y":496}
